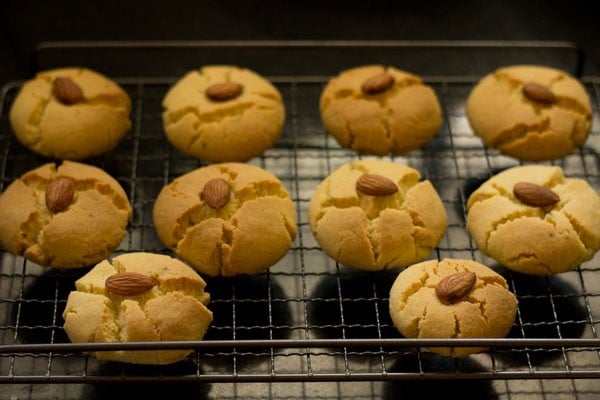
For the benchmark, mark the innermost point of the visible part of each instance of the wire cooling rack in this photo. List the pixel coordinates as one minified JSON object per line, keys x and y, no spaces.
{"x":308,"y":318}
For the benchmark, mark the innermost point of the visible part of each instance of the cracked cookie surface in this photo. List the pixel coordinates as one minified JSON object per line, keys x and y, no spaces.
{"x":505,"y":118}
{"x":85,"y":232}
{"x":487,"y":311}
{"x":173,"y":309}
{"x":87,"y":128}
{"x":234,"y":129}
{"x":535,"y":240}
{"x":248,"y":234}
{"x":371,"y":232}
{"x":402,"y":118}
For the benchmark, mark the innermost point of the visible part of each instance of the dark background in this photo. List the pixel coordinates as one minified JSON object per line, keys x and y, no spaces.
{"x":26,"y":23}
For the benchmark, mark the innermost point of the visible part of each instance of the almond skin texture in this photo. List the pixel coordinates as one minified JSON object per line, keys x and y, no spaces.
{"x":59,"y":194}
{"x":224,"y":91}
{"x":535,"y":195}
{"x":129,"y":283}
{"x":378,"y":83}
{"x":216,"y":193}
{"x":375,"y":185}
{"x":456,"y":286}
{"x":538,"y":93}
{"x":67,"y":91}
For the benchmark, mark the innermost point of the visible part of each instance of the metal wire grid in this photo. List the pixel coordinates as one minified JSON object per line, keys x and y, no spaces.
{"x":307,"y":318}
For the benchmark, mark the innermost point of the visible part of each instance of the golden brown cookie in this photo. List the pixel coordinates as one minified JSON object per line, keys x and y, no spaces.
{"x":226,"y":219}
{"x":530,"y":112}
{"x":533,"y":220}
{"x":374,"y":214}
{"x":66,"y":216}
{"x":138,"y":297}
{"x":452,"y":298}
{"x":70,"y":113}
{"x":223,"y":113}
{"x":380,"y":110}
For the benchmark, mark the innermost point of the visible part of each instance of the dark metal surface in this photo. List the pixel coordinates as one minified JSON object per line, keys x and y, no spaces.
{"x":302,"y":58}
{"x":307,"y":319}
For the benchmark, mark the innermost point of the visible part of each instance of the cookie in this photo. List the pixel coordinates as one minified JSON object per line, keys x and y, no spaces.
{"x":138,"y":297}
{"x":70,"y":113}
{"x":66,"y":216}
{"x":380,"y":110}
{"x":223,"y":113}
{"x":533,"y":220}
{"x":226,"y":219}
{"x":530,"y":112}
{"x":452,"y":298}
{"x":373,"y":215}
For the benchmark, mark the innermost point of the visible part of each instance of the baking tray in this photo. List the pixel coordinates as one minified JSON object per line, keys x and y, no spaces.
{"x":307,"y":319}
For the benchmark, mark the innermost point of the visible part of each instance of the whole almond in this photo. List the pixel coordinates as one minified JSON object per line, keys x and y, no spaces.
{"x":216,"y":193}
{"x":375,"y":185}
{"x":129,"y":283}
{"x":378,"y":83}
{"x":456,"y":286}
{"x":67,"y":91}
{"x":59,"y":194}
{"x":538,"y":93}
{"x":535,"y":195}
{"x":224,"y":91}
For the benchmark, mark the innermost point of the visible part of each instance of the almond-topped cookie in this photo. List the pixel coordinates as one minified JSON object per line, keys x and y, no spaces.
{"x":66,"y":216}
{"x":70,"y":113}
{"x":533,"y":220}
{"x":452,"y":298}
{"x":530,"y":112}
{"x":380,"y":110}
{"x":223,"y":113}
{"x":138,"y":297}
{"x":374,"y":215}
{"x":226,"y":219}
